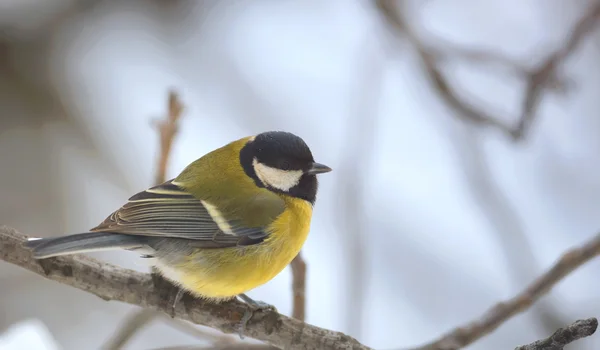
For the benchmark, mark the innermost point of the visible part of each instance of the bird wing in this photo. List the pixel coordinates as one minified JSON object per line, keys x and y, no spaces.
{"x":167,"y":210}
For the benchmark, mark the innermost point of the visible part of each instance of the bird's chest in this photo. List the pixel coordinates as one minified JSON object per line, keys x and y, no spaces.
{"x":229,"y":272}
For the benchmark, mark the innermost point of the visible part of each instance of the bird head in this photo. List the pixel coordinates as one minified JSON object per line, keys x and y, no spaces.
{"x":282,"y":162}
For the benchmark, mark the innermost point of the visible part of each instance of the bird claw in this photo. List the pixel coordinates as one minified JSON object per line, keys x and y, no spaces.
{"x":178,"y":296}
{"x":253,"y":306}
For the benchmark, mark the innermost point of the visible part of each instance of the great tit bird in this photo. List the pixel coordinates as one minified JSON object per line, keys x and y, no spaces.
{"x":229,"y":222}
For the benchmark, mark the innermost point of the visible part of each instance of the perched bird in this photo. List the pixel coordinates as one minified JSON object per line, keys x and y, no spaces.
{"x":229,"y":222}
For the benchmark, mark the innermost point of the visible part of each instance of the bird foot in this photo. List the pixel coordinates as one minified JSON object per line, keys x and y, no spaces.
{"x":253,"y":306}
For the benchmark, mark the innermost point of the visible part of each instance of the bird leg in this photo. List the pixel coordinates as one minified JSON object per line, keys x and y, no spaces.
{"x":167,"y":289}
{"x":177,"y":299}
{"x":254,"y":305}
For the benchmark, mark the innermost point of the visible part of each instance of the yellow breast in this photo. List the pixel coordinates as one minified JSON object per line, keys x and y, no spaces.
{"x":224,"y":273}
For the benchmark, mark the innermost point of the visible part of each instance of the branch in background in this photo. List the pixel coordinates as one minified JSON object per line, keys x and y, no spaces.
{"x":251,"y":104}
{"x":467,"y":334}
{"x":564,"y":336}
{"x":505,"y":219}
{"x":167,"y":130}
{"x":129,"y":327}
{"x":538,"y":80}
{"x":545,"y":77}
{"x":111,"y":282}
{"x":354,"y":170}
{"x":298,"y":266}
{"x":142,"y":317}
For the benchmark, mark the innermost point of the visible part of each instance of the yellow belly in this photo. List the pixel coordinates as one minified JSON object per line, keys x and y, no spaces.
{"x":220,"y":274}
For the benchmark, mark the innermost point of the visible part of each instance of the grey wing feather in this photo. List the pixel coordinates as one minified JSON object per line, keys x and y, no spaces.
{"x":167,"y":210}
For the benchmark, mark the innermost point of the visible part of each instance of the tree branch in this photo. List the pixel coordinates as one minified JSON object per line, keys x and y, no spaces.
{"x":237,"y":346}
{"x":537,"y":80}
{"x":495,"y":316}
{"x":564,"y":336}
{"x":111,"y":282}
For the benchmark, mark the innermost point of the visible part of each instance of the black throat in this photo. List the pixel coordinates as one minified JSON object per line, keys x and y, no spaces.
{"x":305,"y":189}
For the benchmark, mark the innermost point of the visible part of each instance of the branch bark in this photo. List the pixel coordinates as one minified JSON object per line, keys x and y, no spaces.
{"x":111,"y":282}
{"x":488,"y":322}
{"x":564,"y":336}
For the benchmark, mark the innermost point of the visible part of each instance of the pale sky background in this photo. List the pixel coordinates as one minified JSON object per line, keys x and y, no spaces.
{"x":426,"y":220}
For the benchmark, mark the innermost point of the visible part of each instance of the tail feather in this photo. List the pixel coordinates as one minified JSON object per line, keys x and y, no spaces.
{"x":81,"y":243}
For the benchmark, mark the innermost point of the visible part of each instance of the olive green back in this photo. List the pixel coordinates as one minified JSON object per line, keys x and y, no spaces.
{"x":219,"y":179}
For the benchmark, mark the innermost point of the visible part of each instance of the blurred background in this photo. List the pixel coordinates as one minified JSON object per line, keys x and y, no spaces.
{"x":439,"y":205}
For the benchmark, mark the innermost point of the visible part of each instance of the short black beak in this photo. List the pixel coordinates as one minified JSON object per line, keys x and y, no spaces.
{"x":317,"y":168}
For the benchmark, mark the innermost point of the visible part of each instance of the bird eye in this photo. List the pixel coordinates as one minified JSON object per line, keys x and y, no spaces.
{"x":285,"y":165}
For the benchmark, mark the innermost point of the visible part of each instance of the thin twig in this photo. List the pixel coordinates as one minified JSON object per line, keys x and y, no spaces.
{"x":215,"y":337}
{"x":298,"y":266}
{"x":111,"y":282}
{"x":351,"y":185}
{"x":250,"y":100}
{"x":564,"y":336}
{"x":505,"y":219}
{"x":140,"y":318}
{"x":537,"y":80}
{"x":167,"y":129}
{"x":130,"y":326}
{"x":546,"y":75}
{"x":495,"y":316}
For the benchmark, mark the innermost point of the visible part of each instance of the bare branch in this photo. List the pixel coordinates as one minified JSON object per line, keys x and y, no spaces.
{"x":354,"y":169}
{"x":129,"y":327}
{"x":505,"y":219}
{"x":167,"y":129}
{"x":254,"y":104}
{"x":501,"y":312}
{"x":141,"y":317}
{"x":537,"y":80}
{"x":298,"y":266}
{"x":564,"y":336}
{"x":111,"y":282}
{"x":546,"y":75}
{"x":216,"y":338}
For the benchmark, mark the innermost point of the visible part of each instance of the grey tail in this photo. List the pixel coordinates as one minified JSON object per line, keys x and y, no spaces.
{"x":81,"y":243}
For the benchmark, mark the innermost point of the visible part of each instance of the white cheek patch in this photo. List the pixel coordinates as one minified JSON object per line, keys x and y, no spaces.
{"x":280,"y":179}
